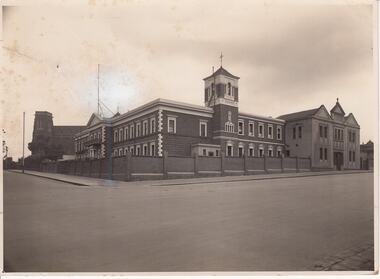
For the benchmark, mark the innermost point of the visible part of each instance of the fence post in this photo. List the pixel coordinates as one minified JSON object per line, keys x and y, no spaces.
{"x":195,"y":156}
{"x":100,"y":168}
{"x":282,"y":162}
{"x":297,"y":166}
{"x":245,"y":164}
{"x":90,"y":168}
{"x":310,"y":163}
{"x":265,"y":164}
{"x":222,"y":158}
{"x":128,"y":166}
{"x":165,"y":164}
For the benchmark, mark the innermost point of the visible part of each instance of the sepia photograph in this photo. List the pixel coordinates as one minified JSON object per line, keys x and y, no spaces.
{"x":192,"y":137}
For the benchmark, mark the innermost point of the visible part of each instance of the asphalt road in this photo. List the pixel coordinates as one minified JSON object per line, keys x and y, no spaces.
{"x":270,"y":225}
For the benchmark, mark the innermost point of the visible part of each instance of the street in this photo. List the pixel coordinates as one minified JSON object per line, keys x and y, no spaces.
{"x":287,"y":224}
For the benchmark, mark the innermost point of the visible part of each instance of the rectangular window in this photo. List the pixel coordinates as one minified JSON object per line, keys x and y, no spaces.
{"x":270,"y":131}
{"x":241,"y":127}
{"x":145,"y":149}
{"x":204,"y":152}
{"x":279,"y":133}
{"x":241,"y":150}
{"x":320,"y":153}
{"x":125,"y":133}
{"x":172,"y":125}
{"x":320,"y":131}
{"x":353,"y":136}
{"x":121,"y":134}
{"x":270,"y":152}
{"x":279,"y":152}
{"x":325,"y":153}
{"x":251,"y":152}
{"x":115,"y":136}
{"x":251,"y":129}
{"x":138,"y":150}
{"x":229,"y":150}
{"x":349,"y":156}
{"x":132,"y":131}
{"x":261,"y":152}
{"x":152,"y":149}
{"x":294,"y":132}
{"x":300,"y":132}
{"x":152,"y":125}
{"x":145,"y":128}
{"x":261,"y":130}
{"x":203,"y":129}
{"x":216,"y":153}
{"x":353,"y":156}
{"x":138,"y":130}
{"x":326,"y":132}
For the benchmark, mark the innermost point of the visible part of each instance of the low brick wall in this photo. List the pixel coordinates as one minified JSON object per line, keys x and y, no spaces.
{"x":130,"y":167}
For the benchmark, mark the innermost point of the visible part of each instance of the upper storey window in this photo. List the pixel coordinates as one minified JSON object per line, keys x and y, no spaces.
{"x":229,"y":89}
{"x":172,"y":125}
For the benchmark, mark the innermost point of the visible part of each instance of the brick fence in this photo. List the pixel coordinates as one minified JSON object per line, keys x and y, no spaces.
{"x":130,"y":167}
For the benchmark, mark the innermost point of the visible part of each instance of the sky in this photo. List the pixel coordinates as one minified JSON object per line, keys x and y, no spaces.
{"x":289,"y":57}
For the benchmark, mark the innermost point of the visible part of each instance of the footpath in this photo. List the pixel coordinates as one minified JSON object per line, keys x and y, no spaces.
{"x":90,"y":181}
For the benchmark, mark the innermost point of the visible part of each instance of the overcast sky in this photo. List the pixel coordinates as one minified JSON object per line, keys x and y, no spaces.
{"x":289,"y":57}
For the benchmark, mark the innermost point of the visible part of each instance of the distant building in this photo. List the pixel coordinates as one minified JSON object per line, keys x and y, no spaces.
{"x":330,"y":139}
{"x":180,"y":129}
{"x":366,"y":156}
{"x":49,"y":141}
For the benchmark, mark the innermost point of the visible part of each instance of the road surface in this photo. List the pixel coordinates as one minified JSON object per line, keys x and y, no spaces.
{"x":271,"y":225}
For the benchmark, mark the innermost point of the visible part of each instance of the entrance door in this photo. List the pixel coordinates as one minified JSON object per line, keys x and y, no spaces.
{"x":338,"y":160}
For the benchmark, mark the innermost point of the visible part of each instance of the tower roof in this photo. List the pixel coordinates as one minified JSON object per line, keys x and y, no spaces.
{"x":222,"y":71}
{"x":337,"y":108}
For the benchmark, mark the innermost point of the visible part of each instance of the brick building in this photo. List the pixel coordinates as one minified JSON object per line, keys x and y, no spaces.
{"x":332,"y":140}
{"x":182,"y":129}
{"x":50,"y":141}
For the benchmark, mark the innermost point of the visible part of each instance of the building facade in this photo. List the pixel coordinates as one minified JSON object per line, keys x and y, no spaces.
{"x":366,"y":156}
{"x":218,"y":127}
{"x":332,"y":140}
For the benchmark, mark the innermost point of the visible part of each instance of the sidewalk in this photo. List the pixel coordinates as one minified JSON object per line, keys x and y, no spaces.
{"x":90,"y":181}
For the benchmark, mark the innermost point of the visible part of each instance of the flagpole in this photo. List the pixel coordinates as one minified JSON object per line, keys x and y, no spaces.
{"x":23,"y":142}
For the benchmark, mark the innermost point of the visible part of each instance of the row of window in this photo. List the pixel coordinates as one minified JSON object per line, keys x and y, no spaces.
{"x":251,"y":130}
{"x":351,"y":136}
{"x":299,"y":132}
{"x":230,"y":90}
{"x":251,"y":150}
{"x":144,"y":149}
{"x":323,"y":154}
{"x":338,"y":134}
{"x":128,"y":132}
{"x":323,"y":131}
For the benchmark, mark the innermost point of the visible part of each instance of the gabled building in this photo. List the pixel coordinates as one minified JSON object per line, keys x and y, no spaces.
{"x":332,"y":140}
{"x":182,"y":129}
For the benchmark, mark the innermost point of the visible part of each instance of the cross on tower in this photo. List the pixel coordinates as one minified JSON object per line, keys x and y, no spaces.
{"x":221,"y":59}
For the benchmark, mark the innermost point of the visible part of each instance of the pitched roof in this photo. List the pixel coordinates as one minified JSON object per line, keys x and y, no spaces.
{"x":299,"y":115}
{"x":222,"y":71}
{"x":67,"y":130}
{"x":337,"y":109}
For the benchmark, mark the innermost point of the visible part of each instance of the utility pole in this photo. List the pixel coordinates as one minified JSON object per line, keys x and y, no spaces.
{"x":23,"y":142}
{"x":98,"y":93}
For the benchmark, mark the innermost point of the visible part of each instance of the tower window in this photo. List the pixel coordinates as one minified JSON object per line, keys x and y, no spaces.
{"x":203,"y":129}
{"x":229,"y":90}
